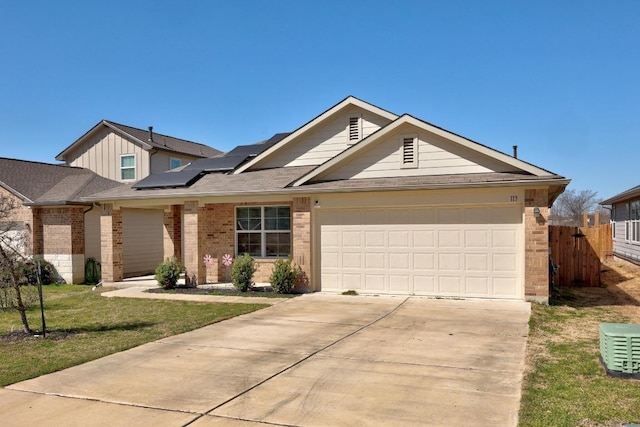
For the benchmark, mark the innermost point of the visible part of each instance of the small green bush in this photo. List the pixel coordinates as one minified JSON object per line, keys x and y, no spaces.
{"x":242,"y":272}
{"x":284,"y":276}
{"x":29,"y":272}
{"x":168,"y":272}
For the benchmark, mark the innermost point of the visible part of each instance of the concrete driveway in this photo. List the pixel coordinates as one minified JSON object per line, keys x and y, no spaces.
{"x":315,"y":360}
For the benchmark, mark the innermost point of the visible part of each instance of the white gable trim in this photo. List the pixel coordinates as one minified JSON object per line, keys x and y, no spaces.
{"x":349,"y":101}
{"x":407,"y":119}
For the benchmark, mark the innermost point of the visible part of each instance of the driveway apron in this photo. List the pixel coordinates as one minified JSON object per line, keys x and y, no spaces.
{"x":315,"y":360}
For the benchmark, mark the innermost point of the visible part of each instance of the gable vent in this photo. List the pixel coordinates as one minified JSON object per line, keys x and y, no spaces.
{"x":408,"y":154}
{"x":354,"y":129}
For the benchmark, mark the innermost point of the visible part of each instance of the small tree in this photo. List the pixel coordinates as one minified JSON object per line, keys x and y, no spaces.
{"x":12,"y":262}
{"x":168,"y":273}
{"x":571,"y":204}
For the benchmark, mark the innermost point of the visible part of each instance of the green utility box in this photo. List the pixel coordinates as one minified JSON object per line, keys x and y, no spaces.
{"x":620,"y":349}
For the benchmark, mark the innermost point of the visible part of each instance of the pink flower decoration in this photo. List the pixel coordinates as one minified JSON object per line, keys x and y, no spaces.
{"x":227,"y":260}
{"x":208,"y":260}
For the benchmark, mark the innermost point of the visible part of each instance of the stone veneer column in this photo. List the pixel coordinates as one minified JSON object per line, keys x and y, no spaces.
{"x":194,"y":239}
{"x":301,"y":236}
{"x":536,"y":246}
{"x":111,"y":243}
{"x":172,"y":233}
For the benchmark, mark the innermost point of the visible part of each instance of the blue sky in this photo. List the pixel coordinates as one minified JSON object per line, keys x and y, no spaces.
{"x":560,"y":79}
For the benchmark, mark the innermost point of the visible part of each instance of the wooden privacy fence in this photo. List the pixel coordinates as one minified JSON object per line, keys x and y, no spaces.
{"x":579,"y":251}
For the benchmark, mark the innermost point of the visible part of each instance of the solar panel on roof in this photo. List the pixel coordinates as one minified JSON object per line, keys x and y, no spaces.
{"x":255,"y":149}
{"x":216,"y":164}
{"x":181,"y":178}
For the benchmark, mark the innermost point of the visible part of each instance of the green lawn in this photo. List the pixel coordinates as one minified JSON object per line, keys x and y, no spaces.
{"x":82,"y":326}
{"x":565,"y":384}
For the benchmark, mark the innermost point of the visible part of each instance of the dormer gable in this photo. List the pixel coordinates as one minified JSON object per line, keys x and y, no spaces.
{"x":324,"y":137}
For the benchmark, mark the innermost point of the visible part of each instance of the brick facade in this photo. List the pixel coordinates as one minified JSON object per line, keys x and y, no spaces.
{"x":301,"y":236}
{"x":22,"y":217}
{"x":195,"y":220}
{"x":536,"y":274}
{"x":172,"y":232}
{"x":111,"y":243}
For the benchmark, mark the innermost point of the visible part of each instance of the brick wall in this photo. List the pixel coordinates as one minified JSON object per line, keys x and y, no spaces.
{"x":111,"y":243}
{"x":172,"y":233}
{"x":58,"y":236}
{"x":22,"y":218}
{"x":195,"y":219}
{"x":301,"y":235}
{"x":536,"y":246}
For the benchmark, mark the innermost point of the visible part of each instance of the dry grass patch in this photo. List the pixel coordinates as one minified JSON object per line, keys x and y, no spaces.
{"x":565,"y":384}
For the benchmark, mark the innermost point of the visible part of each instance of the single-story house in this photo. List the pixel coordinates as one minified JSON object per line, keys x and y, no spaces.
{"x":625,"y":221}
{"x":56,"y":223}
{"x":361,"y":199}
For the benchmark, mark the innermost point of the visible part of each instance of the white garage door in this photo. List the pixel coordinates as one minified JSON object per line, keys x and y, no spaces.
{"x":142,"y":241}
{"x":439,"y":251}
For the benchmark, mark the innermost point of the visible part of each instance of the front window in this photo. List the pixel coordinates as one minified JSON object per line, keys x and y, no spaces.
{"x":263,"y":231}
{"x":128,"y":167}
{"x":632,"y":225}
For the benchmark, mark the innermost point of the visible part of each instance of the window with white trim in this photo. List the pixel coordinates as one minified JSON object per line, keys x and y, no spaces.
{"x":409,"y":151}
{"x":354,"y":129}
{"x":632,"y":224}
{"x":174,"y":163}
{"x":128,"y":167}
{"x":263,"y":231}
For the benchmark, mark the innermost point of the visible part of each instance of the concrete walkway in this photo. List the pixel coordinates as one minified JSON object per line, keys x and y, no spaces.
{"x":315,"y":360}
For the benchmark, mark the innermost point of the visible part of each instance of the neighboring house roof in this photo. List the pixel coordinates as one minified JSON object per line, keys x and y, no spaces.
{"x":48,"y":184}
{"x":625,"y":195}
{"x":141,"y":137}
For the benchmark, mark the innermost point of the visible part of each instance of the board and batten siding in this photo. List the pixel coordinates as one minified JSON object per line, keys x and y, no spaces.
{"x":142,"y":242}
{"x":102,"y":152}
{"x":324,"y":141}
{"x":435,"y":156}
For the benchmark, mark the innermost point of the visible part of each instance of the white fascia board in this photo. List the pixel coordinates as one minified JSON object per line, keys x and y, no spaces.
{"x":322,"y":117}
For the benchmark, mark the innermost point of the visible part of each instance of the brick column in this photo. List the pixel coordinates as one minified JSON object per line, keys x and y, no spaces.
{"x":301,"y":236}
{"x":111,"y":243}
{"x":194,"y":240}
{"x":172,"y":232}
{"x":536,"y":246}
{"x":37,"y":244}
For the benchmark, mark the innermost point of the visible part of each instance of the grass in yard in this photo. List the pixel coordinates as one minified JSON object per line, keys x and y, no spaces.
{"x":253,"y":292}
{"x":82,"y":326}
{"x":565,"y":384}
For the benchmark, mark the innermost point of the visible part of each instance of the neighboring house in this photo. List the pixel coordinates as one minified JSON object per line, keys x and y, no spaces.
{"x":64,"y":228}
{"x":625,"y":221}
{"x":127,"y":154}
{"x":361,"y":199}
{"x":50,"y":212}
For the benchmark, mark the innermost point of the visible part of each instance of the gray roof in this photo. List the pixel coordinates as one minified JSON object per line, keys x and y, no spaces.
{"x":160,"y":141}
{"x":48,"y":184}
{"x":278,"y":180}
{"x":216,"y":184}
{"x":632,"y":193}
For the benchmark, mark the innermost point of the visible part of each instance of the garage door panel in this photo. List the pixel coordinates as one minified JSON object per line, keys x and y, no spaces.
{"x":447,"y":251}
{"x":477,"y":286}
{"x":374,"y":239}
{"x":399,"y":261}
{"x":449,"y":239}
{"x":400,"y":283}
{"x":423,"y":261}
{"x":477,"y":262}
{"x":375,"y":260}
{"x":450,"y":285}
{"x":505,"y":263}
{"x":505,"y":238}
{"x":424,"y":239}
